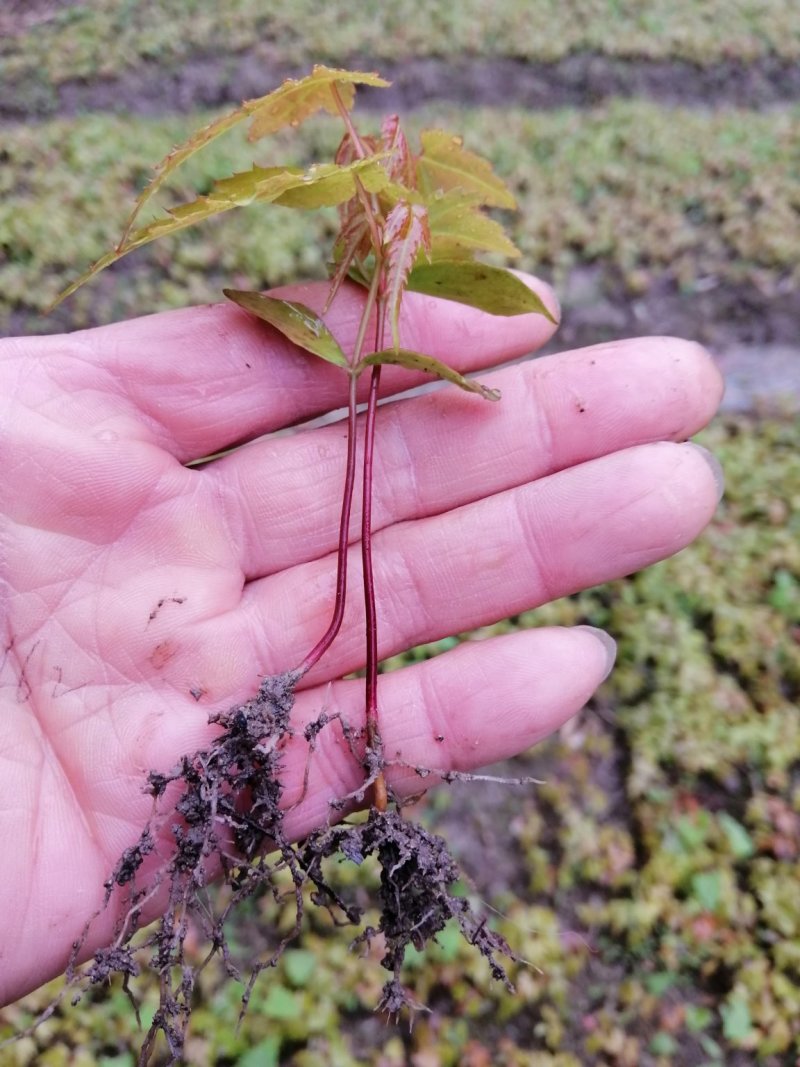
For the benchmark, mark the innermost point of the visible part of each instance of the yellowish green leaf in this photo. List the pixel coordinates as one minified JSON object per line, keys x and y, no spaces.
{"x":299,"y":323}
{"x":329,"y":184}
{"x":403,"y":357}
{"x":491,"y":289}
{"x":296,"y":100}
{"x":393,"y":192}
{"x":322,"y":184}
{"x":445,"y":164}
{"x":178,"y":156}
{"x":401,"y":164}
{"x":459,"y":228}
{"x":288,"y":105}
{"x":259,"y":183}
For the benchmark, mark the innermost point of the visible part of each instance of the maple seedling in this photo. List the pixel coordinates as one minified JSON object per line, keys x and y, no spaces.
{"x":409,"y":222}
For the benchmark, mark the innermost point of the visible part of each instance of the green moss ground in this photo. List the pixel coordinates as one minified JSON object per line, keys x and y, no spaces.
{"x":108,"y":36}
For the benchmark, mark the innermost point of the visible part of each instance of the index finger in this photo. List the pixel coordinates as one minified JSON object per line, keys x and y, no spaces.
{"x":206,"y":378}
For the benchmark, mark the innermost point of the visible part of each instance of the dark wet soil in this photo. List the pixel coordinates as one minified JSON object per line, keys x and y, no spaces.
{"x":753,"y":336}
{"x":580,"y":80}
{"x":597,"y":306}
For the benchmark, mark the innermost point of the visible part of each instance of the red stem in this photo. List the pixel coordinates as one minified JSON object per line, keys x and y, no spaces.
{"x":344,"y":114}
{"x":325,"y":642}
{"x":379,"y":791}
{"x":370,"y":610}
{"x":380,"y":794}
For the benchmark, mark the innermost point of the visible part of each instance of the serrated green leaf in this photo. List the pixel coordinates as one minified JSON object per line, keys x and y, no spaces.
{"x":295,"y":321}
{"x":459,"y":228}
{"x":403,"y":357}
{"x":322,"y":184}
{"x":288,"y":105}
{"x":239,"y":190}
{"x":330,"y":184}
{"x":445,"y":164}
{"x":491,"y":289}
{"x":178,"y":156}
{"x":296,"y":100}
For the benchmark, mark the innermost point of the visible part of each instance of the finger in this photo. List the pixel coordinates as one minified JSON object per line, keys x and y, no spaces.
{"x":207,"y":377}
{"x":435,"y":452}
{"x":482,"y":702}
{"x":470,"y":567}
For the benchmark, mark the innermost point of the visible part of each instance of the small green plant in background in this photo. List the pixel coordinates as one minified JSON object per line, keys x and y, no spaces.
{"x":408,"y":221}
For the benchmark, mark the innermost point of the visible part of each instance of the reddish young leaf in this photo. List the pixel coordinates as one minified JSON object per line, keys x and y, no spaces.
{"x":347,"y":152}
{"x":405,"y":234}
{"x":353,"y":245}
{"x":400,"y":164}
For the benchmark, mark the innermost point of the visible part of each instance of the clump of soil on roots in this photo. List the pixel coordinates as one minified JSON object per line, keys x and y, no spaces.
{"x":221,"y":807}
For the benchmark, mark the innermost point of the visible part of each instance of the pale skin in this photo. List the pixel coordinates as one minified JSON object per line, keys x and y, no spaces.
{"x":140,"y":595}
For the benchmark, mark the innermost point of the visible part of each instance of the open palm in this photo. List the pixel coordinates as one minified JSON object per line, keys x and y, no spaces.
{"x":139,"y":594}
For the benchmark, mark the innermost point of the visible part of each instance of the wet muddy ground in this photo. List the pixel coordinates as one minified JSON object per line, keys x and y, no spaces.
{"x":580,"y":80}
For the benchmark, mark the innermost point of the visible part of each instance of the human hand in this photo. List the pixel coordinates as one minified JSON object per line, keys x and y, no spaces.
{"x":139,"y":595}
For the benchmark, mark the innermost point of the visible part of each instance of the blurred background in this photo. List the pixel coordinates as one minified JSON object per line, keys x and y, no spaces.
{"x":653,"y":881}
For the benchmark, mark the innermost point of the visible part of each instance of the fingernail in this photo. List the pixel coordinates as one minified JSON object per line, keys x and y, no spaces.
{"x":609,"y":646}
{"x":715,"y":465}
